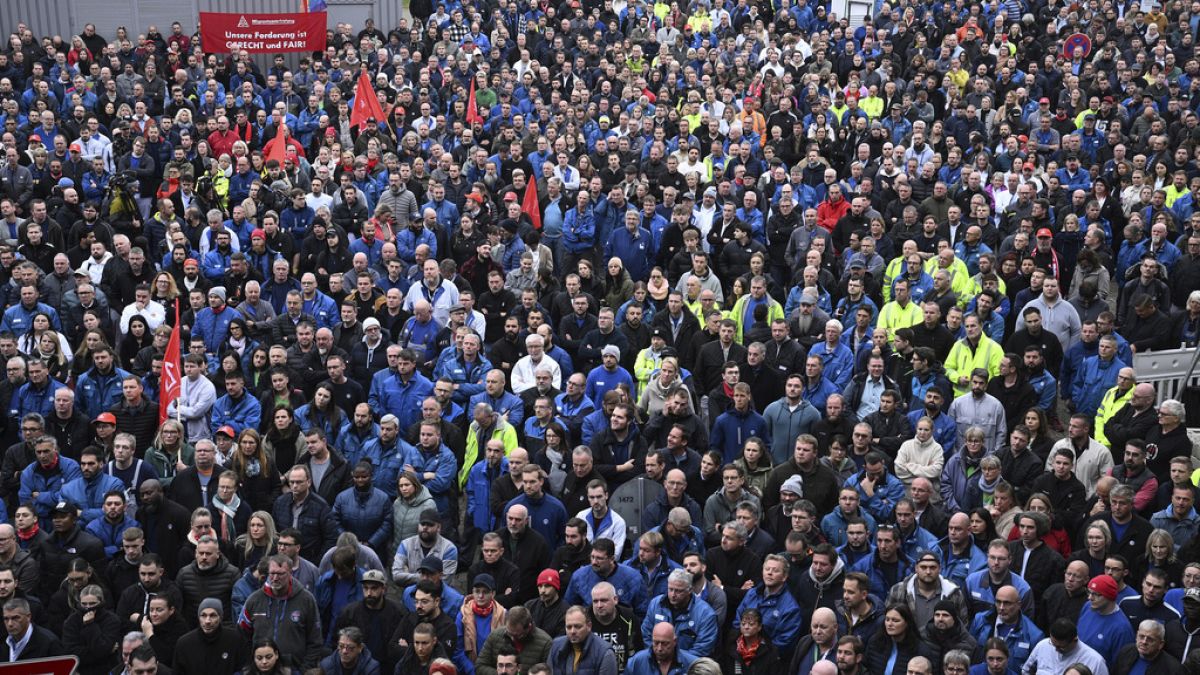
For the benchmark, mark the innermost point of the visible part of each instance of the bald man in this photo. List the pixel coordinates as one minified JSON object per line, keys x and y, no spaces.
{"x":1007,"y":622}
{"x":1131,"y":415}
{"x":1064,"y":600}
{"x":663,"y":655}
{"x":820,"y":645}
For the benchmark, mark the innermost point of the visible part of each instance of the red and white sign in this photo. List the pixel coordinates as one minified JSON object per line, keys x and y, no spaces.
{"x":223,"y":33}
{"x":57,"y":665}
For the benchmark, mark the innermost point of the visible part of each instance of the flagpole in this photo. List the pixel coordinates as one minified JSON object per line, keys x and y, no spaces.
{"x":178,"y":412}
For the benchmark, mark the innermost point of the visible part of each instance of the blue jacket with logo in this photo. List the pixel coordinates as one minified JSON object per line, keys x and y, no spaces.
{"x":630,"y":588}
{"x":388,"y":394}
{"x":30,"y":400}
{"x":96,"y":393}
{"x":48,"y":485}
{"x":469,"y":378}
{"x":695,"y":627}
{"x":243,"y":414}
{"x":781,"y":615}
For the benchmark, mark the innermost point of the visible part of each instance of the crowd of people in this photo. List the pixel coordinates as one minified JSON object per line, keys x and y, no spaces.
{"x":623,"y":337}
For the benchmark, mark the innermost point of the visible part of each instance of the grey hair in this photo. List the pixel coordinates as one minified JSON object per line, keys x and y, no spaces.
{"x":704,"y":666}
{"x":680,"y":574}
{"x":1149,"y":625}
{"x":739,"y":530}
{"x":956,"y":657}
{"x":1173,"y":407}
{"x":679,"y":517}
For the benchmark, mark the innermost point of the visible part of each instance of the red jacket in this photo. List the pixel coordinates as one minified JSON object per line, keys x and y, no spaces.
{"x":828,"y":213}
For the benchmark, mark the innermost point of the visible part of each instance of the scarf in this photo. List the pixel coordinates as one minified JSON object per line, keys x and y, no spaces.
{"x":227,"y":528}
{"x":725,"y":387}
{"x":482,"y":611}
{"x":747,"y":651}
{"x":26,"y":535}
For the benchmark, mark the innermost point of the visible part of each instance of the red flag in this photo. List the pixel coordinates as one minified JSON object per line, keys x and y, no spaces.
{"x":366,"y":102}
{"x":171,"y":382}
{"x":277,"y":148}
{"x":530,"y":205}
{"x":472,"y":107}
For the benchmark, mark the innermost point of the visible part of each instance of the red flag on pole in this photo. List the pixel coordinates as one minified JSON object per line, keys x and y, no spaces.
{"x":530,"y":205}
{"x":366,"y":102}
{"x":472,"y":107}
{"x":171,"y":382}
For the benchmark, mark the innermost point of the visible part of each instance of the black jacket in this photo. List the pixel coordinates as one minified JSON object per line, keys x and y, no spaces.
{"x":197,"y":585}
{"x":186,"y":490}
{"x":510,"y":591}
{"x":1043,"y":567}
{"x":318,"y":530}
{"x":96,"y":643}
{"x":376,"y":626}
{"x":337,"y":476}
{"x":1163,"y":664}
{"x":530,"y":553}
{"x":166,"y":529}
{"x":224,"y":652}
{"x":41,"y":644}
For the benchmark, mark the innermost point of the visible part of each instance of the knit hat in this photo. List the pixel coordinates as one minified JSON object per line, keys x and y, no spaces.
{"x":794,"y":485}
{"x":550,"y":578}
{"x":947,"y":606}
{"x":218,"y":291}
{"x":211,"y":603}
{"x":1104,"y":585}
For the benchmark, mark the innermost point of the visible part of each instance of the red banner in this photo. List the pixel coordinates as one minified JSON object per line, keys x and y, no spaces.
{"x":222,"y":33}
{"x":171,"y":381}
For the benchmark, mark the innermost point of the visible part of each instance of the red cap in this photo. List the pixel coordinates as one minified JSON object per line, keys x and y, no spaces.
{"x":1045,"y":232}
{"x":510,"y":196}
{"x":258,"y":234}
{"x":550,"y":577}
{"x":191,"y":261}
{"x":330,"y":131}
{"x":35,"y":137}
{"x":1023,"y":138}
{"x":75,"y":147}
{"x":106,"y":418}
{"x":1104,"y":585}
{"x":475,"y":197}
{"x":228,"y":431}
{"x":1044,"y":100}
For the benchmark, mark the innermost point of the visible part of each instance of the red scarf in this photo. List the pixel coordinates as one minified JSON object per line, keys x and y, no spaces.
{"x":26,"y":535}
{"x":483,"y":611}
{"x":747,"y":652}
{"x":727,"y":388}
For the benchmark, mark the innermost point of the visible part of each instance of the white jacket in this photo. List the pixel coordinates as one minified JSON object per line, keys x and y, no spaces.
{"x":915,"y":459}
{"x":195,"y":402}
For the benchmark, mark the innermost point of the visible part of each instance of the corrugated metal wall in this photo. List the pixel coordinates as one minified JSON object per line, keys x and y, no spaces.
{"x":44,"y":17}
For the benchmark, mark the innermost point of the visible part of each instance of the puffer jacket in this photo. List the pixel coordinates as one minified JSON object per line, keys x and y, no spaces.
{"x":290,"y":618}
{"x":366,"y":665}
{"x":196,"y":585}
{"x":406,"y":514}
{"x":367,"y":515}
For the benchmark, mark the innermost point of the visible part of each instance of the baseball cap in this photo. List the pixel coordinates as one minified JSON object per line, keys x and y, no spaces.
{"x":510,"y":196}
{"x":1192,"y":594}
{"x":858,"y":261}
{"x":1044,"y":100}
{"x":374,"y":577}
{"x":75,"y":147}
{"x":35,"y":138}
{"x":431,"y":563}
{"x":105,"y":418}
{"x":485,"y":580}
{"x":1045,"y":232}
{"x":429,"y":517}
{"x":228,"y":431}
{"x":64,"y":506}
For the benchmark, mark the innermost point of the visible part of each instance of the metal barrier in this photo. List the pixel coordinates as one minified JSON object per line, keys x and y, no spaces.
{"x":1167,"y":370}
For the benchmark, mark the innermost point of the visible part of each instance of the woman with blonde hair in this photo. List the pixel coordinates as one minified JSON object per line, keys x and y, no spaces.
{"x":258,"y":541}
{"x":256,"y":471}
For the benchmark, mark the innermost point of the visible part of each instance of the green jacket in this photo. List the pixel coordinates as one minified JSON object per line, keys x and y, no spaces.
{"x":535,"y":650}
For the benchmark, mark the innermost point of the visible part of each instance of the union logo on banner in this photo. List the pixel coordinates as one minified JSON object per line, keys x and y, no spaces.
{"x":243,"y":23}
{"x":58,"y":665}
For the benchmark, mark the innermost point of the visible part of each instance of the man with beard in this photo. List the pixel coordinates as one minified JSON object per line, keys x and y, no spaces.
{"x":89,"y":489}
{"x":819,"y":483}
{"x":413,"y":553}
{"x":214,"y":648}
{"x":134,"y":602}
{"x":427,"y":599}
{"x":299,"y":636}
{"x":548,"y":609}
{"x":67,"y":542}
{"x":629,"y":584}
{"x":374,"y":614}
{"x":524,"y":546}
{"x":518,"y":636}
